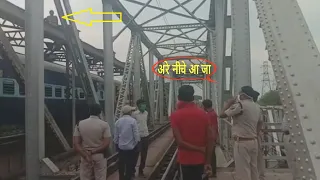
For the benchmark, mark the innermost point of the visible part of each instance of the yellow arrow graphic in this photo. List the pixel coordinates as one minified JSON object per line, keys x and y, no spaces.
{"x":89,"y":10}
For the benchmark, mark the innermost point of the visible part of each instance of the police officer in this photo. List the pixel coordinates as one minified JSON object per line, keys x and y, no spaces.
{"x":260,"y":150}
{"x":91,"y":138}
{"x":245,"y":114}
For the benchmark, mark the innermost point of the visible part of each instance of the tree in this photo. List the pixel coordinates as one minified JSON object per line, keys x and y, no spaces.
{"x":271,"y":98}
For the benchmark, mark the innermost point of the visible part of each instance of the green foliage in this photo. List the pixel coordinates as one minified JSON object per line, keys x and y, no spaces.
{"x":270,"y":98}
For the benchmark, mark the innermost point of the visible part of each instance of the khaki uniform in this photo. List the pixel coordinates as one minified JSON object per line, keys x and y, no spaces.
{"x":260,"y":160}
{"x":244,"y":131}
{"x":92,"y":131}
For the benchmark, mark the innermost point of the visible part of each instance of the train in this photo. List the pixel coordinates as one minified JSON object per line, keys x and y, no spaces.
{"x":12,"y":96}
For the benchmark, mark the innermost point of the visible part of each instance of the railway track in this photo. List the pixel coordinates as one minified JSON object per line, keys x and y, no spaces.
{"x":67,"y":161}
{"x":112,"y":161}
{"x":166,"y":168}
{"x":5,"y":140}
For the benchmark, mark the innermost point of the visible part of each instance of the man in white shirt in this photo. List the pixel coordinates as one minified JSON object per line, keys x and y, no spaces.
{"x":126,"y":138}
{"x":141,"y":115}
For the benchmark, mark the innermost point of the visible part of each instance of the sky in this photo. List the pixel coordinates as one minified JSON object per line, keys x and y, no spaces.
{"x":93,"y":35}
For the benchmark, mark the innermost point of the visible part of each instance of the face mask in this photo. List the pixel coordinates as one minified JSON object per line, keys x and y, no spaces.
{"x":142,"y":107}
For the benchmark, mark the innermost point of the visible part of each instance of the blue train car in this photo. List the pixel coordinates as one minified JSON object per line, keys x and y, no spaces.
{"x":12,"y":96}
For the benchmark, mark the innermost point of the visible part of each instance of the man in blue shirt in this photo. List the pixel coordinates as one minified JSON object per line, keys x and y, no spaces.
{"x":126,"y":138}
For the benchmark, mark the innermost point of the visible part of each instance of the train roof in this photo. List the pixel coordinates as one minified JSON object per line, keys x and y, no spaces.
{"x":61,"y":68}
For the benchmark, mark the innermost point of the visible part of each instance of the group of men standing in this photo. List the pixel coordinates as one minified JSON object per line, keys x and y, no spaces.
{"x":196,"y":132}
{"x":131,"y":139}
{"x":92,"y":137}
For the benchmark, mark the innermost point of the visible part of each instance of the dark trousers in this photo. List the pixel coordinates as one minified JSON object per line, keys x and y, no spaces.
{"x":143,"y":152}
{"x":214,"y":162}
{"x":126,"y":164}
{"x":191,"y":172}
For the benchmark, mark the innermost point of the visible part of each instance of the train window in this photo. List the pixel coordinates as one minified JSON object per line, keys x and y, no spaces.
{"x":81,"y":94}
{"x":48,"y":91}
{"x":66,"y":94}
{"x":101,"y":94}
{"x":58,"y":92}
{"x":8,"y":87}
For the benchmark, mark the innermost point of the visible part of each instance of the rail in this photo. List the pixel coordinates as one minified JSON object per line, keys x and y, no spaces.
{"x":15,"y":137}
{"x":172,"y":165}
{"x":67,"y":158}
{"x":166,"y":167}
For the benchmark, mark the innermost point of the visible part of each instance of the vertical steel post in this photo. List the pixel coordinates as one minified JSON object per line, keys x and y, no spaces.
{"x":204,"y":84}
{"x":241,"y":58}
{"x":108,"y":66}
{"x":161,"y":100}
{"x":151,"y":87}
{"x":219,"y":51}
{"x":34,"y":105}
{"x":73,"y":94}
{"x":137,"y":74}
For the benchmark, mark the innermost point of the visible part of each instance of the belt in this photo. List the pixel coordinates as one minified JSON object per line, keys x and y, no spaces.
{"x":236,"y":138}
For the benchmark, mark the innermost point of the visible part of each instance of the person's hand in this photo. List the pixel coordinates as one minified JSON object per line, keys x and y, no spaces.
{"x":218,"y":141}
{"x":231,"y":101}
{"x":88,"y":157}
{"x":208,"y":169}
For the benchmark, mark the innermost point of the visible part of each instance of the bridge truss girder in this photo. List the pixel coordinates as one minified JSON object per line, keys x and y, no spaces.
{"x":12,"y":18}
{"x":294,"y":78}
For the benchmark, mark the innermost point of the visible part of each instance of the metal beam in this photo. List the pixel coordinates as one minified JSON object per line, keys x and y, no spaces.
{"x":176,"y":26}
{"x":17,"y":15}
{"x":181,"y":45}
{"x":240,"y":44}
{"x":35,"y":147}
{"x":133,"y":26}
{"x":108,"y":61}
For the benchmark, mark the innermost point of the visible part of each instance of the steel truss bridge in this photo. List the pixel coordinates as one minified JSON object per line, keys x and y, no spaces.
{"x":296,"y":66}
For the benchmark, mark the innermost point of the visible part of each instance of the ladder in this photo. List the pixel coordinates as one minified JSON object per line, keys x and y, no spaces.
{"x":127,"y":74}
{"x":11,"y":54}
{"x":75,"y":46}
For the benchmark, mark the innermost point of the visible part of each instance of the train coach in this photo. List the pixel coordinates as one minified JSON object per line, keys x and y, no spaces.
{"x":12,"y":96}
